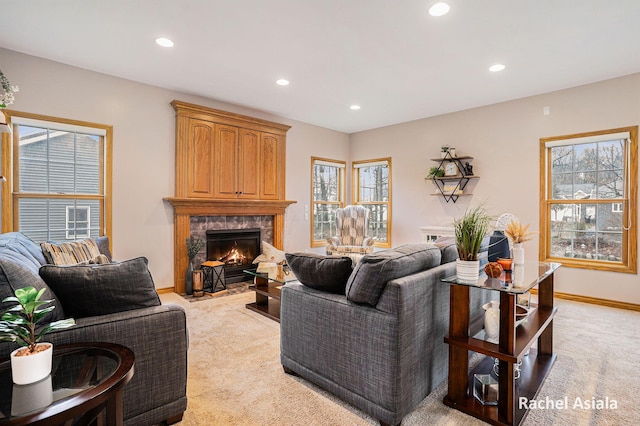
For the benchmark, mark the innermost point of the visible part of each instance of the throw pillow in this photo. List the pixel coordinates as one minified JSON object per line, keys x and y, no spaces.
{"x":15,"y":274}
{"x":90,"y":290}
{"x":70,"y":253}
{"x":448,"y":249}
{"x":371,"y":274}
{"x":269,"y":254}
{"x":325,"y":273}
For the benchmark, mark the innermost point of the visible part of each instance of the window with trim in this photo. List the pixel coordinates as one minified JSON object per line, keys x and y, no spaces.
{"x":588,"y":205}
{"x":60,"y":178}
{"x":327,"y":195}
{"x":372,"y":189}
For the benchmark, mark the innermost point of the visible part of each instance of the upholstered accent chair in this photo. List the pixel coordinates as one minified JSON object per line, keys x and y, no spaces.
{"x":352,"y":223}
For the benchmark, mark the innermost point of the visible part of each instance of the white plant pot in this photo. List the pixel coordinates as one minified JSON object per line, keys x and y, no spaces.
{"x":468,"y":270}
{"x":31,"y":368}
{"x":27,"y":398}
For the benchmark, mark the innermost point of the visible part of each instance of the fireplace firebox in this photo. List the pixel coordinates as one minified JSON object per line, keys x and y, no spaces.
{"x":237,"y":248}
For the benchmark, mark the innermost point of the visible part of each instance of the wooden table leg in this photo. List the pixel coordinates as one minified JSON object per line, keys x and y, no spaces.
{"x":115,"y":413}
{"x":458,"y":382}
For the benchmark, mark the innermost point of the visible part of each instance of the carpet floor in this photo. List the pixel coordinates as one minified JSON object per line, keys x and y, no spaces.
{"x":235,"y":376}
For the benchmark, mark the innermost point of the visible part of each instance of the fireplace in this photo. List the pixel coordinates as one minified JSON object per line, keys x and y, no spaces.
{"x":237,"y":248}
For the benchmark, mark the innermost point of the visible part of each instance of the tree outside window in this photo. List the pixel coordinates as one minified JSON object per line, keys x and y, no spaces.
{"x":588,"y":209}
{"x":328,"y":188}
{"x":372,"y":185}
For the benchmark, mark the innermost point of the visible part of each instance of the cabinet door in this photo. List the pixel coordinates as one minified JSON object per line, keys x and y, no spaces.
{"x":269,"y":181}
{"x":249,"y":164}
{"x":200,"y":158}
{"x":226,"y":161}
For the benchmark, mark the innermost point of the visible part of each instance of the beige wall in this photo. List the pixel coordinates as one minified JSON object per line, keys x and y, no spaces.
{"x":143,"y":150}
{"x":502,"y":138}
{"x":504,"y":141}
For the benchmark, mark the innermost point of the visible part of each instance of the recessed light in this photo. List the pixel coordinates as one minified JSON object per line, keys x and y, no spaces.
{"x":439,"y":9}
{"x":355,"y":107}
{"x":496,"y":67}
{"x":282,"y":82}
{"x":164,"y":42}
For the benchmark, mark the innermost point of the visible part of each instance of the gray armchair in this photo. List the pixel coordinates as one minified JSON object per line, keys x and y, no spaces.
{"x":352,"y":223}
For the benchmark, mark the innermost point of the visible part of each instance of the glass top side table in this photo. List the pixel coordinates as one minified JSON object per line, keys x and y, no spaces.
{"x":514,"y":345}
{"x":85,"y":379}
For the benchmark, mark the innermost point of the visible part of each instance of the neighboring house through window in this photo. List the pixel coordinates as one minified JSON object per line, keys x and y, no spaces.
{"x":372,"y":189}
{"x":327,"y":192}
{"x":60,"y":178}
{"x":588,"y":205}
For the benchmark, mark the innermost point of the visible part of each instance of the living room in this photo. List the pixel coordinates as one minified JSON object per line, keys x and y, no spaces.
{"x":502,"y":137}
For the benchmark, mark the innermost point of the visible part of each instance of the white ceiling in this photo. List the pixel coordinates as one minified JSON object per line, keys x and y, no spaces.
{"x":391,"y":57}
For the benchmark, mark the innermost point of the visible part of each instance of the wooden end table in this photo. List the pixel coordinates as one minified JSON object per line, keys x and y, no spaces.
{"x":514,"y":346}
{"x":85,"y":379}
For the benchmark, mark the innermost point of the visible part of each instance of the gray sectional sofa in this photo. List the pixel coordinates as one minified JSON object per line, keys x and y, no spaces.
{"x":376,"y":341}
{"x":114,"y":303}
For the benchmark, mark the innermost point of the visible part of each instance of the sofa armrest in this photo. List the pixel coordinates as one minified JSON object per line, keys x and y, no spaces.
{"x":158,"y":338}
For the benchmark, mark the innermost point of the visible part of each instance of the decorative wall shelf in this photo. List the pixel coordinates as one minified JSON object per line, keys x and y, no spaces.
{"x":457,"y":174}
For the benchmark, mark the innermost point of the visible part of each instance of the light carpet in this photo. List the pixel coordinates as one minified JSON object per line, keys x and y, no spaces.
{"x":235,"y":376}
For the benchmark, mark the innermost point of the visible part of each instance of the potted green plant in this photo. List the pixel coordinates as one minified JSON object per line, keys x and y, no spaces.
{"x":20,"y":323}
{"x":470,"y":230}
{"x":435,"y":172}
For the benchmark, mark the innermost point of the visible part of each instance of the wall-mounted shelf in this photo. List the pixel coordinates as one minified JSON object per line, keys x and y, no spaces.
{"x":457,"y":174}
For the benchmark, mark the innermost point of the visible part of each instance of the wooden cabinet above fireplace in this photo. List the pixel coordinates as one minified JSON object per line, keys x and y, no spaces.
{"x":222,"y":155}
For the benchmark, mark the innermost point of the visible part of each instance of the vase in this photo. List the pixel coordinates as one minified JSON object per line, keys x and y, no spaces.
{"x":492,"y":321}
{"x":518,"y":253}
{"x":29,"y":369}
{"x":188,"y":279}
{"x":468,"y":270}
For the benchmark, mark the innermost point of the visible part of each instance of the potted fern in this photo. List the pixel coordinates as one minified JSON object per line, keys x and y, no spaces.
{"x":470,"y":230}
{"x":20,"y":323}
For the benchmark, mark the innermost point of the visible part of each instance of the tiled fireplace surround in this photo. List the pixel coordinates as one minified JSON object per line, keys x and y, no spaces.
{"x":199,"y":225}
{"x":193,"y":215}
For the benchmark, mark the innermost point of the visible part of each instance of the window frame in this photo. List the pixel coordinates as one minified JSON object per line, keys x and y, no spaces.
{"x":628,"y":264}
{"x":356,"y":166}
{"x":342,"y":165}
{"x":10,"y":169}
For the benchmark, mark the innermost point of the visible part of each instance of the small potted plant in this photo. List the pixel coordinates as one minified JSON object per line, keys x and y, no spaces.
{"x":20,"y":323}
{"x":435,"y":172}
{"x":470,"y":230}
{"x":444,"y":149}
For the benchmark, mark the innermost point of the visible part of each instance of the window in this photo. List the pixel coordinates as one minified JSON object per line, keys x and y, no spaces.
{"x":78,"y":222}
{"x":588,"y":203}
{"x":372,"y":189}
{"x":60,"y":178}
{"x":327,"y":195}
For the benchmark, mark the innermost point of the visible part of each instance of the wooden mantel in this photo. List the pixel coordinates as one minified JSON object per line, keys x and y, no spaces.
{"x":184,"y":208}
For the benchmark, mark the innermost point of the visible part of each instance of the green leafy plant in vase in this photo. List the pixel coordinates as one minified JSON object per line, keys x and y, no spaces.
{"x":21,"y":324}
{"x":435,"y":172}
{"x":470,"y":230}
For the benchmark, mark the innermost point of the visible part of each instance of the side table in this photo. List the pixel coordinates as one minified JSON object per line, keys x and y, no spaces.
{"x":514,"y":346}
{"x":86,"y":378}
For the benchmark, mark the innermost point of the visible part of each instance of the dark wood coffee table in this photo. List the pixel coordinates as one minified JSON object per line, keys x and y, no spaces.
{"x":86,"y":379}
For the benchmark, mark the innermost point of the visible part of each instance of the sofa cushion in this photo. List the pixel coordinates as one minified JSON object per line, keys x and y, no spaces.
{"x":371,"y":274}
{"x":90,"y":290}
{"x":325,"y":273}
{"x":71,"y":253}
{"x":103,"y":245}
{"x":20,"y":259}
{"x":448,"y":249}
{"x":14,"y":275}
